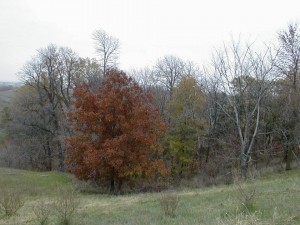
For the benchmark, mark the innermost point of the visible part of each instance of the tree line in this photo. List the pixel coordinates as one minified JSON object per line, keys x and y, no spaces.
{"x":173,"y":119}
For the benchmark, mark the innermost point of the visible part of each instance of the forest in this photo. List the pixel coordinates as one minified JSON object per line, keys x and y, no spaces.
{"x":159,"y":126}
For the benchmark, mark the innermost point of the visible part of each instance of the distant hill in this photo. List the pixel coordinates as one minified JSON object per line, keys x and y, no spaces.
{"x":10,"y":84}
{"x":7,"y":90}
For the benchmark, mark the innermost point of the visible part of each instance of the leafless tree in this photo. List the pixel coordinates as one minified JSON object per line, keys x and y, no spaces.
{"x":43,"y":104}
{"x":107,"y":47}
{"x":289,"y":66}
{"x":67,"y":68}
{"x":168,"y":72}
{"x":244,"y":77}
{"x":30,"y":130}
{"x":144,"y":77}
{"x":213,"y":116}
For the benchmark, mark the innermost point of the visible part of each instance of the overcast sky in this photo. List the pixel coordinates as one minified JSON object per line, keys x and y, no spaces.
{"x":147,"y":29}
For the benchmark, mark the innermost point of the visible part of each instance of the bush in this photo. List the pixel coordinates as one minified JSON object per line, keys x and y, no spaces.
{"x":65,"y":205}
{"x":10,"y":201}
{"x":245,"y":189}
{"x":241,"y":219}
{"x":279,"y":218}
{"x":42,"y":212}
{"x":169,"y":203}
{"x":255,"y":218}
{"x":88,"y":187}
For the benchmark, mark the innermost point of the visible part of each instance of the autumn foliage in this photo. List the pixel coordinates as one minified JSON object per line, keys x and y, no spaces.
{"x":187,"y":126}
{"x":117,"y":132}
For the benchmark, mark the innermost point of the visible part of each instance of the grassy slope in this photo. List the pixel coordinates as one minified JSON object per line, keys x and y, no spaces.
{"x":33,"y":183}
{"x":277,"y":202}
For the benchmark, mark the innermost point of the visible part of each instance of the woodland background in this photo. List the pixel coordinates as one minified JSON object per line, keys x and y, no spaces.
{"x":155,"y":127}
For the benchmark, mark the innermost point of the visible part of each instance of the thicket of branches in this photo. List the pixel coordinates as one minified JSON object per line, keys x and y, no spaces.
{"x":173,"y":119}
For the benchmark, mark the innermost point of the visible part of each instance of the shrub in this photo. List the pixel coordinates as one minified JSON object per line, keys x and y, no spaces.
{"x":280,"y":218}
{"x":42,"y":212}
{"x":241,"y":219}
{"x":65,"y":205}
{"x":169,"y":203}
{"x":10,"y":201}
{"x":245,"y":189}
{"x":88,"y":187}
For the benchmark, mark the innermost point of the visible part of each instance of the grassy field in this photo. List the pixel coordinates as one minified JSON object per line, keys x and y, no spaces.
{"x":276,"y":201}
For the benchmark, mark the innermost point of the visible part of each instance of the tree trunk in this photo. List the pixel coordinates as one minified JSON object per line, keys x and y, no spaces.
{"x":120,"y":183}
{"x":288,"y":153}
{"x":49,"y":156}
{"x":288,"y":159}
{"x":244,"y":165}
{"x":61,"y":165}
{"x":112,"y":185}
{"x":292,"y":141}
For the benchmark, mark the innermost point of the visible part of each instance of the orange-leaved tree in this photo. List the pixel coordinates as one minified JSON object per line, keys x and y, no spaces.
{"x":116,"y":132}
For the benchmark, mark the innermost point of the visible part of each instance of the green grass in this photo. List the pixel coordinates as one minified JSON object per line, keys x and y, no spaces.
{"x":33,"y":183}
{"x":276,"y":202}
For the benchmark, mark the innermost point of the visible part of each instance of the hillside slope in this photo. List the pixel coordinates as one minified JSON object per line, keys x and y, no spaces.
{"x":276,"y":201}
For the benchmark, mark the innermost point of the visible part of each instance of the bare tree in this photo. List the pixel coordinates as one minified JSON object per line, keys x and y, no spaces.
{"x":214,"y":117}
{"x":67,"y":67}
{"x":168,"y":72}
{"x":289,"y":65}
{"x":107,"y":47}
{"x":44,"y":101}
{"x":244,"y":77}
{"x":144,"y":77}
{"x":40,"y":111}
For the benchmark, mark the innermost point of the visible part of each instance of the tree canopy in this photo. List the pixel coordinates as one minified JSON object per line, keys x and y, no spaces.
{"x":117,"y":132}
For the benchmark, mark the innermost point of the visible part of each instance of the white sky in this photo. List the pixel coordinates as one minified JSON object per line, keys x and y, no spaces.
{"x":147,"y":29}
